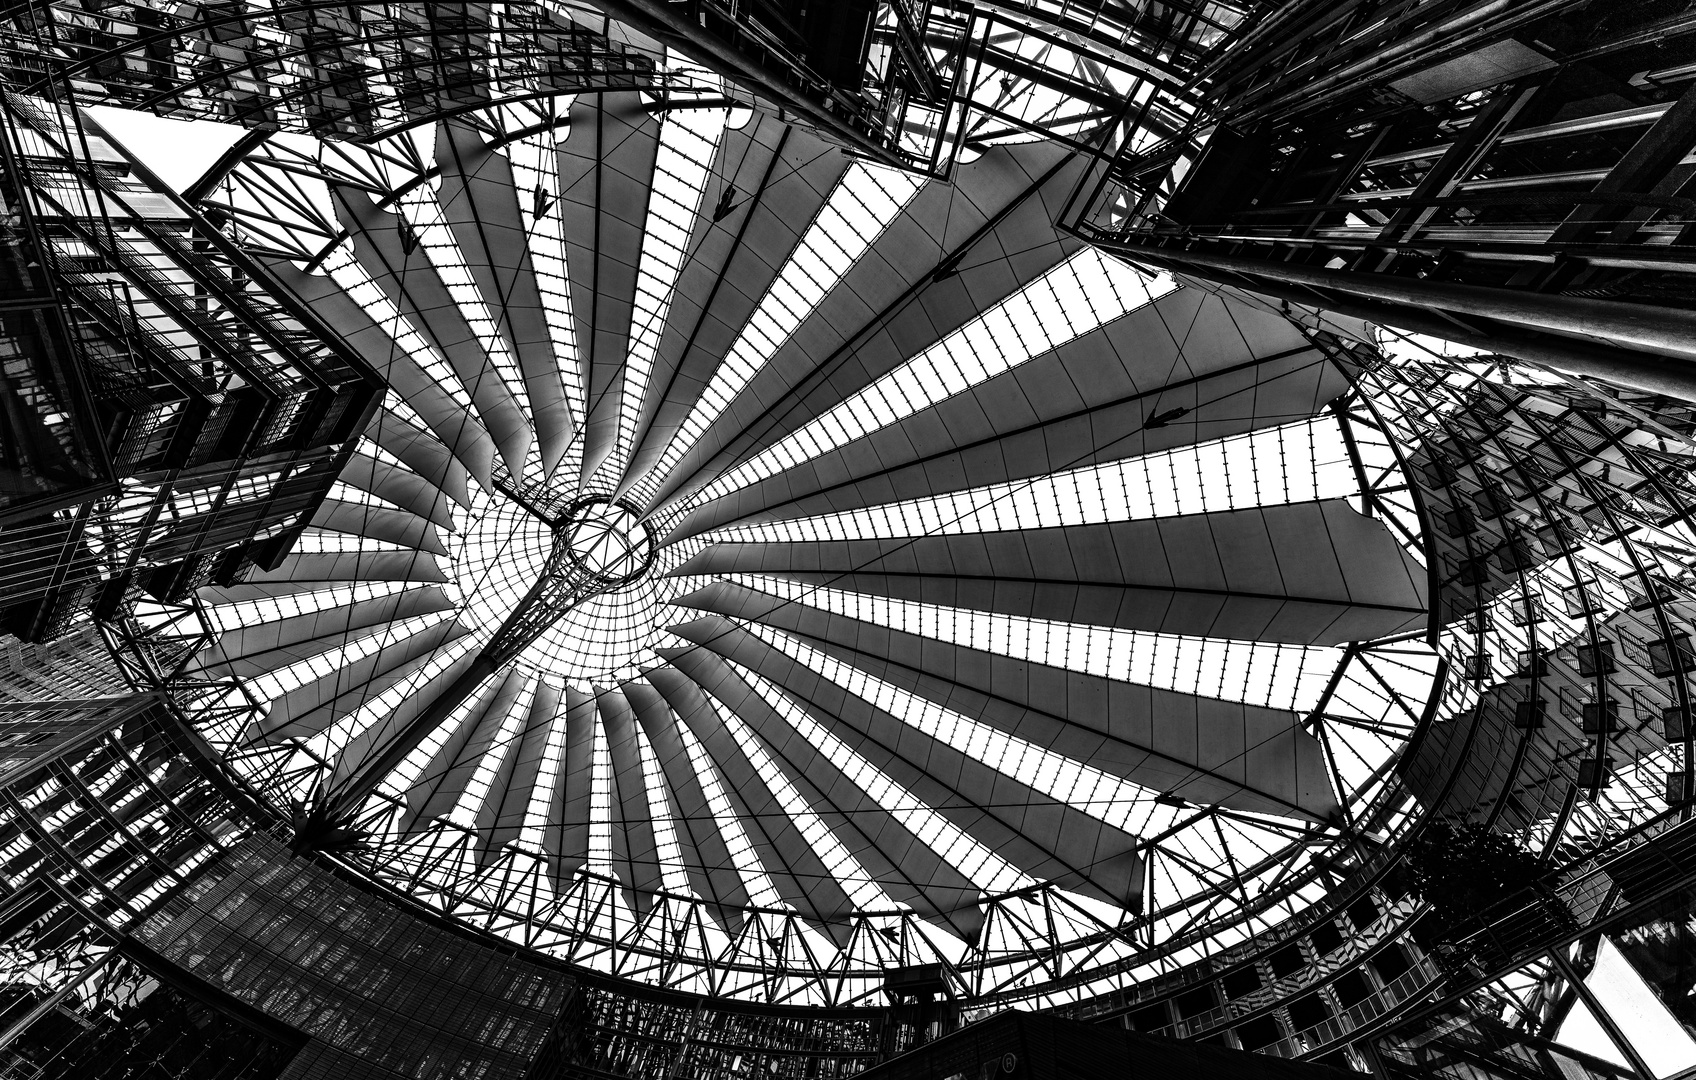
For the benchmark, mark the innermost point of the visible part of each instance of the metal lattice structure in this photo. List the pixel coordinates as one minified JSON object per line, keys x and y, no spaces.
{"x":338,"y":70}
{"x":489,"y":219}
{"x":223,"y":408}
{"x":903,"y":526}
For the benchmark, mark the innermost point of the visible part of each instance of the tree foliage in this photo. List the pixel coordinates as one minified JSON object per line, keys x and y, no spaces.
{"x":1462,"y":868}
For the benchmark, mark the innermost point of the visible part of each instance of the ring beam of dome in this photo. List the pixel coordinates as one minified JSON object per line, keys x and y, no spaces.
{"x":608,"y":540}
{"x":839,"y":767}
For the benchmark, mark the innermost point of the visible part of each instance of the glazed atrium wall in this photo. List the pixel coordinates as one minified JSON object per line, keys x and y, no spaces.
{"x":634,"y":539}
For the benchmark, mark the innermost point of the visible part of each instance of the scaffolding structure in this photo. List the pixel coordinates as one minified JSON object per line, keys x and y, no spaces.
{"x":225,"y":412}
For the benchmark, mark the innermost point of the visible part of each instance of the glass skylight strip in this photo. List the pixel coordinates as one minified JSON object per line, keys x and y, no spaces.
{"x":599,"y":859}
{"x":980,"y":865}
{"x":282,"y":680}
{"x":331,"y":741}
{"x":666,"y":848}
{"x":327,"y":596}
{"x":480,"y":789}
{"x":537,"y":814}
{"x":761,"y":891}
{"x":413,"y":768}
{"x":843,"y":867}
{"x":864,"y":202}
{"x":1080,"y":295}
{"x":689,"y":140}
{"x":371,"y":448}
{"x":403,"y":410}
{"x":316,"y":541}
{"x":535,"y":171}
{"x":422,"y":210}
{"x":344,"y":268}
{"x":342,"y":491}
{"x":1090,"y":790}
{"x":1299,"y":462}
{"x":1254,"y":672}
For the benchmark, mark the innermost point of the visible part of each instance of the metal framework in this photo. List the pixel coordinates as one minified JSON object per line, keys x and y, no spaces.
{"x":1512,"y":183}
{"x":226,"y":409}
{"x":354,"y":71}
{"x":1549,"y":511}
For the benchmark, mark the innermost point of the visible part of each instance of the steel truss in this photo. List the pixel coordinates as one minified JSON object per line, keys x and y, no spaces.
{"x":356,"y":71}
{"x":1040,"y":945}
{"x":1037,"y":945}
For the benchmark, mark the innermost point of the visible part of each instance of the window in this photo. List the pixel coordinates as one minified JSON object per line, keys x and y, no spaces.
{"x":1675,"y":723}
{"x":1308,"y":1011}
{"x":1492,"y":504}
{"x":1363,"y":913}
{"x":1196,"y":1002}
{"x":1326,"y":939}
{"x":1258,"y":1033}
{"x":1528,"y":610}
{"x":1515,"y":557}
{"x":1596,"y":658}
{"x":1240,"y":982}
{"x":1529,"y":714}
{"x":1601,"y":719}
{"x":1595,"y":773}
{"x":1680,"y":789}
{"x":1391,"y":963}
{"x":1287,"y":961}
{"x":1460,"y":522}
{"x":1351,"y":988}
{"x":1582,"y":599}
{"x":1671,"y":656}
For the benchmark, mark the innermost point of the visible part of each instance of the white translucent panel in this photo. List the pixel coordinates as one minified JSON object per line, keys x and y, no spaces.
{"x":329,"y":742}
{"x":855,"y":881}
{"x":1078,"y":296}
{"x":535,"y":171}
{"x":981,"y":865}
{"x":480,"y":788}
{"x":864,"y":202}
{"x":761,"y":891}
{"x":688,"y":140}
{"x":667,"y":850}
{"x":1300,"y":462}
{"x":1089,"y":790}
{"x":343,"y":267}
{"x":421,"y":208}
{"x":1258,"y":673}
{"x":548,"y":773}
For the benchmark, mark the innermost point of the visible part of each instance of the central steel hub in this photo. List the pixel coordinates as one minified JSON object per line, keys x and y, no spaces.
{"x":606,"y":541}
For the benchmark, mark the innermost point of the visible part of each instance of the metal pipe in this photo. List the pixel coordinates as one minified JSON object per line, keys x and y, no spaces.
{"x":1616,"y":366}
{"x":1607,"y":121}
{"x":1664,"y":331}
